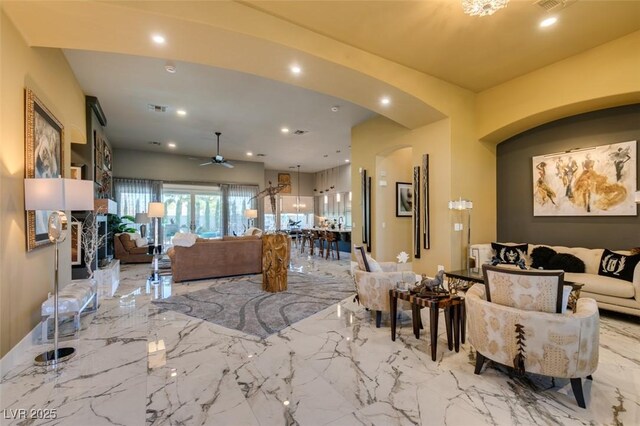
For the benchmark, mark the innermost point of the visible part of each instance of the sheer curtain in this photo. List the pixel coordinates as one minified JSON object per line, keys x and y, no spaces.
{"x":134,"y":195}
{"x":238,"y":199}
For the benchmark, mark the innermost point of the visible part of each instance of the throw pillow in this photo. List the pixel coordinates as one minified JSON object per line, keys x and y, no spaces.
{"x":540,"y":257}
{"x":374,"y":266}
{"x":510,"y":254}
{"x":141,"y":242}
{"x":567,"y":262}
{"x":184,"y":239}
{"x":616,"y":265}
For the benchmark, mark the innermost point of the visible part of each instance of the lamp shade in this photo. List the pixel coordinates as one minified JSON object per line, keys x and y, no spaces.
{"x":251,"y":213}
{"x":156,"y":210}
{"x":58,"y":194}
{"x":142,"y":218}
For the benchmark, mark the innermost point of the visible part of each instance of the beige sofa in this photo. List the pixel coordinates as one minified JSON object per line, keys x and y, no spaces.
{"x":216,"y":258}
{"x":610,"y":293}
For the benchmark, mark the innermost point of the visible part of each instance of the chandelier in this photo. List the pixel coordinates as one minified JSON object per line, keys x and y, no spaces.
{"x":482,"y":7}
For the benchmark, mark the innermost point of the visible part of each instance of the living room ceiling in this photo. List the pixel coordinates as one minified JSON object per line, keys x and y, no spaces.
{"x":437,"y":38}
{"x":250,"y":112}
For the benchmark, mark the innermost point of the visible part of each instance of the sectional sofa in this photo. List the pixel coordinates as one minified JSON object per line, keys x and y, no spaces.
{"x":610,"y":293}
{"x":216,"y":258}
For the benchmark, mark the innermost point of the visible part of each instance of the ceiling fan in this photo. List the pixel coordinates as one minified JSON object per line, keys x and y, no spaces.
{"x":218,"y":159}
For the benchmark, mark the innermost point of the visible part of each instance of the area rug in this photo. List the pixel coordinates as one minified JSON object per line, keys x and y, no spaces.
{"x":239,"y":303}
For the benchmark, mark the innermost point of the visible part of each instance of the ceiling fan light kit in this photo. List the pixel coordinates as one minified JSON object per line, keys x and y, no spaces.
{"x":218,"y":159}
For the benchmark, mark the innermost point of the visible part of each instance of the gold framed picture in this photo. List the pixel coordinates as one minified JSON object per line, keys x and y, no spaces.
{"x":285,"y":179}
{"x":44,"y":136}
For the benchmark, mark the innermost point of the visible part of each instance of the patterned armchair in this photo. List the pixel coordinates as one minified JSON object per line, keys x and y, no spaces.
{"x":375,"y":279}
{"x":516,"y":319}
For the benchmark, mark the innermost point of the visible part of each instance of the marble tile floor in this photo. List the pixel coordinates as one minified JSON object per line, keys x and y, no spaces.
{"x":137,"y":365}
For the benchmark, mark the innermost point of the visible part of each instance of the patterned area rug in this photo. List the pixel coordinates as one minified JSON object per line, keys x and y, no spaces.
{"x":240,"y":303}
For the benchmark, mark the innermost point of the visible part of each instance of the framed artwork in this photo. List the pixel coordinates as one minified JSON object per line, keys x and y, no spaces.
{"x":404,"y":199}
{"x":598,"y":181}
{"x":285,"y":179}
{"x":107,"y":159}
{"x":76,"y":243}
{"x":416,"y":212}
{"x":44,"y":136}
{"x":425,"y":196}
{"x":76,"y":172}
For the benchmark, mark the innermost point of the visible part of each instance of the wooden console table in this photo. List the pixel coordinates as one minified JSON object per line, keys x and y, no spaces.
{"x":453,"y":311}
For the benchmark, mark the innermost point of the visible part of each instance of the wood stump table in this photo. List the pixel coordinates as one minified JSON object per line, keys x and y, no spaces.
{"x":276,"y":249}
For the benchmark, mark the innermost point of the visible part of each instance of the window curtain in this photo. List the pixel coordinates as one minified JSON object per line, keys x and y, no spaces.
{"x":134,"y":195}
{"x":238,"y":199}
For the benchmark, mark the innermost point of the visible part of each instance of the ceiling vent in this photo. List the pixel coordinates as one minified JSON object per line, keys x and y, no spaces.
{"x":549,"y":5}
{"x":261,"y":155}
{"x":157,"y":108}
{"x":300,"y":132}
{"x":156,"y":143}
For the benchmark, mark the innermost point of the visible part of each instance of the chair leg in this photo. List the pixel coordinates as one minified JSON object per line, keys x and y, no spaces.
{"x":576,"y":386}
{"x":378,"y":318}
{"x":479,"y":362}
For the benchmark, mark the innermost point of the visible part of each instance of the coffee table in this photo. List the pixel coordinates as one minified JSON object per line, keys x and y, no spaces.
{"x":453,"y":311}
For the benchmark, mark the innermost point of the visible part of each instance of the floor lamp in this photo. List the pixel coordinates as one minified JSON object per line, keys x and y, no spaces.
{"x":462,"y":205}
{"x":156,"y":210}
{"x":57,"y":194}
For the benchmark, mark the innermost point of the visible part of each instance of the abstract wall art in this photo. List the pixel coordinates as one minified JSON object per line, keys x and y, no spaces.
{"x":597,"y":181}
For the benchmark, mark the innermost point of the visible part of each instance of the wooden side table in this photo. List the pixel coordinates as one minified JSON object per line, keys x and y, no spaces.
{"x":453,"y":312}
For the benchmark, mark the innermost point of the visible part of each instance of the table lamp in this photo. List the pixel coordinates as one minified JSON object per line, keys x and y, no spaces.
{"x":250,"y":215}
{"x":57,"y":195}
{"x":142,"y":219}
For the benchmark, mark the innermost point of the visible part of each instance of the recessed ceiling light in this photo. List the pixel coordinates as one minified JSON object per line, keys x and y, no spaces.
{"x":158,"y":39}
{"x":171,"y":145}
{"x":347,"y":161}
{"x":171,"y":68}
{"x":181,"y":112}
{"x":295,"y":69}
{"x":285,"y":403}
{"x":385,"y":100}
{"x":335,"y":108}
{"x":548,"y":22}
{"x":249,"y":154}
{"x":284,"y":130}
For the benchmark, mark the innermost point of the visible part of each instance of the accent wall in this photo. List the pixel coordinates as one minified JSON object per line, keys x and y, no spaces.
{"x":514,"y":182}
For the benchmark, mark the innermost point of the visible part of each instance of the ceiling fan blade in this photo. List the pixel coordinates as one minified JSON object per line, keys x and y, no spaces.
{"x":206,"y":164}
{"x":228,"y":165}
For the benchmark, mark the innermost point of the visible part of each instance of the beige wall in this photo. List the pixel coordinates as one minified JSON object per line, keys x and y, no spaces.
{"x":381,"y":136}
{"x":26,"y":278}
{"x":180,"y":168}
{"x":306,"y":181}
{"x":602,"y":77}
{"x":392,"y":234}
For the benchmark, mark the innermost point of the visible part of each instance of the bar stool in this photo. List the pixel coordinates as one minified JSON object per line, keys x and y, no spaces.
{"x":332,"y":243}
{"x":308,"y":237}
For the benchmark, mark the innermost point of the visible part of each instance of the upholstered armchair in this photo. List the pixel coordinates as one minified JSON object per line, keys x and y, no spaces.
{"x":375,"y":279}
{"x":517,"y":319}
